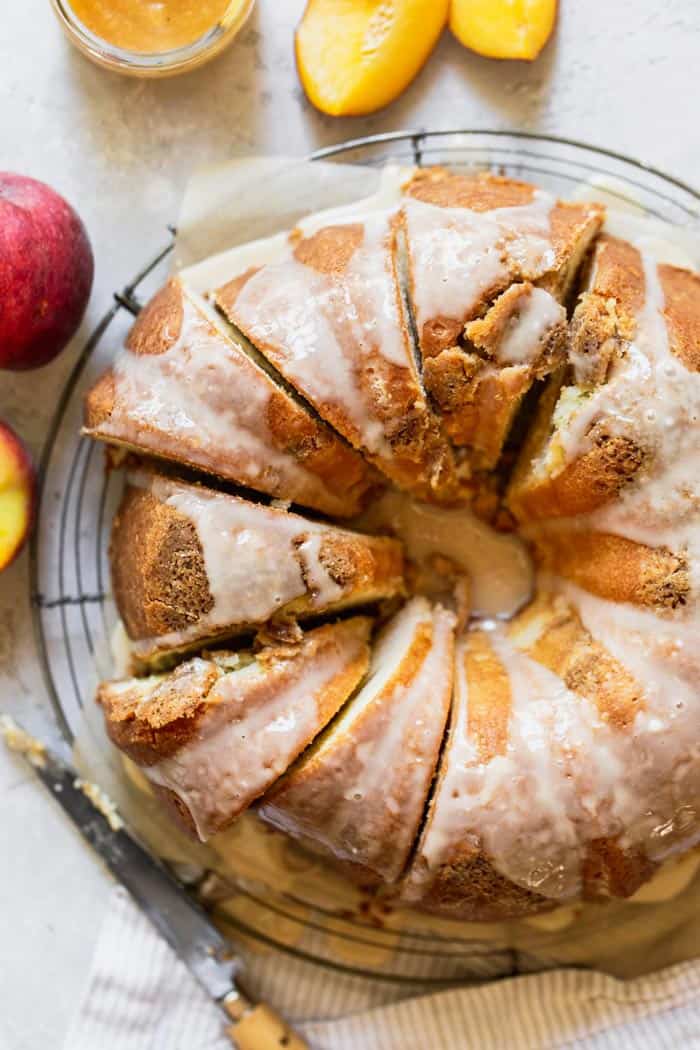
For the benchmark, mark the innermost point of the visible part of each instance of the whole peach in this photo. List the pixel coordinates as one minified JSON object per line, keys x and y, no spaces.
{"x":46,"y":272}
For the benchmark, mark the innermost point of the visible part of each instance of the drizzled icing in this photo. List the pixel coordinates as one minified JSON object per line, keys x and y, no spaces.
{"x":257,"y":558}
{"x":651,"y":397}
{"x":497,"y":565}
{"x":325,"y":330}
{"x":204,"y":398}
{"x":567,"y":776}
{"x":375,"y":763}
{"x":242,"y":745}
{"x":459,"y":255}
{"x":523,"y":338}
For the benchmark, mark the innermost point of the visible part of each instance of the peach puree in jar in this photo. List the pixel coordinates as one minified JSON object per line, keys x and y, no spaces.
{"x":151,"y":26}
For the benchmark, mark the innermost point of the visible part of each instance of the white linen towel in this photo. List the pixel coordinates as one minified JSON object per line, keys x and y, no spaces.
{"x":141,"y":997}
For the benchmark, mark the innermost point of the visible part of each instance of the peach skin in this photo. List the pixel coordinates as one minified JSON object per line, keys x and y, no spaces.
{"x":17,"y":495}
{"x":356,"y":56}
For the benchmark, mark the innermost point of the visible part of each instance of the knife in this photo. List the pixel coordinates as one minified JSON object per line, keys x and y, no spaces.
{"x":162,"y":898}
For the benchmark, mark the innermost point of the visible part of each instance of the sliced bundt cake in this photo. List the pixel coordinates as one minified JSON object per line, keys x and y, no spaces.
{"x":469,"y":239}
{"x":217,"y":731}
{"x":327,"y":312}
{"x":569,"y":768}
{"x":191,"y":565}
{"x":185,"y":390}
{"x":557,"y":780}
{"x":357,"y":795}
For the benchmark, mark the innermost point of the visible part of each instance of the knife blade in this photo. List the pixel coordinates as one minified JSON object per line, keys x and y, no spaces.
{"x":163,"y":899}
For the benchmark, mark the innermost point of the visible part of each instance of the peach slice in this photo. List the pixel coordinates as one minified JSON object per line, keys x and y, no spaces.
{"x":17,"y":493}
{"x":355,"y":56}
{"x":503,"y":28}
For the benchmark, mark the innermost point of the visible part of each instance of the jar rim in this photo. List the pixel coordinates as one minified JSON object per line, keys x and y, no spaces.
{"x":153,"y":63}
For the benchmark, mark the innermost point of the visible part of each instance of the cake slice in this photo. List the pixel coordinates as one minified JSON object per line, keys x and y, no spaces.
{"x":526,"y":810}
{"x":214,"y":734}
{"x":327,"y":313}
{"x":467,"y":239}
{"x":617,"y":568}
{"x":357,"y":796}
{"x":190,"y":566}
{"x":629,"y":416}
{"x":480,"y":385}
{"x":184,"y":389}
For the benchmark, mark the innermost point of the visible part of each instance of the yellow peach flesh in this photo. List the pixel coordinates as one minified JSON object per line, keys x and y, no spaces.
{"x":503,"y":28}
{"x":356,"y":56}
{"x":16,"y":489}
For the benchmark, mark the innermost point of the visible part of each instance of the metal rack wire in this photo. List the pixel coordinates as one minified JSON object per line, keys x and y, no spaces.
{"x":71,"y":606}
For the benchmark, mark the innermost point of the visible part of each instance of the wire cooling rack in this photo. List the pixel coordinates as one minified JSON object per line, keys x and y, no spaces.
{"x":69,"y":579}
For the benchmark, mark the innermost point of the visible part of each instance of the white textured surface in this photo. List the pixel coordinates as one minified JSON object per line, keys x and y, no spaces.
{"x":620,"y":75}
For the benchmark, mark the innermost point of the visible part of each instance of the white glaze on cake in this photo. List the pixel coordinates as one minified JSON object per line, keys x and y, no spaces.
{"x":360,"y":794}
{"x":522,"y":342}
{"x":498,"y":565}
{"x":204,"y":390}
{"x":568,"y":776}
{"x":458,"y":255}
{"x":257,"y":558}
{"x":324,"y":330}
{"x":241,"y":747}
{"x":651,"y":397}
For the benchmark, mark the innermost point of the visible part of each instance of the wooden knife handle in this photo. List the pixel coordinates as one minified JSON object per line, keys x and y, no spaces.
{"x":260,"y":1028}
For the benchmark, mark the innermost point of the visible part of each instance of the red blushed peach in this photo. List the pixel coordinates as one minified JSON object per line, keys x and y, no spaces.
{"x":17,"y":495}
{"x":46,"y":271}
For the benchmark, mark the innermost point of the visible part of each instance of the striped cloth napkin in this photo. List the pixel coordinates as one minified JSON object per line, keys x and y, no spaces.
{"x":141,"y":997}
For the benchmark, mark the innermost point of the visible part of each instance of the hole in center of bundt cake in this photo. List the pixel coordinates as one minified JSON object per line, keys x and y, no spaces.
{"x":454,"y":556}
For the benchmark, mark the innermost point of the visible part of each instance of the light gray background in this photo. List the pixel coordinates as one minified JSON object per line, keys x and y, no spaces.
{"x":619,"y":73}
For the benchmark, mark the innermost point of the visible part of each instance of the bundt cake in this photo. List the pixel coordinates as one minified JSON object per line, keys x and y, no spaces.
{"x":185,"y":389}
{"x":217,"y":731}
{"x":192,"y":565}
{"x":461,"y":349}
{"x":382,"y":751}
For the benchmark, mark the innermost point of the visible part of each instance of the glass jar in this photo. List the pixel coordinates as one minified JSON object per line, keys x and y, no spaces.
{"x":147,"y":62}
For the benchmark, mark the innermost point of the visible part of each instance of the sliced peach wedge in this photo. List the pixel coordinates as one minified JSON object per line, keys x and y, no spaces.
{"x":356,"y":56}
{"x":17,"y":493}
{"x":503,"y":28}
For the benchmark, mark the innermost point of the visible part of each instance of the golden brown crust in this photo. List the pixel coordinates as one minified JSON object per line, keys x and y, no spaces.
{"x":229,"y":292}
{"x":159,"y":577}
{"x":421,"y":460}
{"x":604,"y":323}
{"x":584,"y":485}
{"x":306,"y":799}
{"x":605,"y":318}
{"x":330,"y":249}
{"x":160,"y":580}
{"x":158,"y":326}
{"x":681,"y":290}
{"x":99,"y":403}
{"x":151,"y":719}
{"x":477,"y":396}
{"x":309,"y":792}
{"x":478,"y":192}
{"x":615,"y":568}
{"x":610,"y":870}
{"x":488,"y":685}
{"x":487,"y":333}
{"x":572,"y":227}
{"x":469,"y":888}
{"x":479,"y":416}
{"x":340,"y":481}
{"x":465,"y":885}
{"x":440,"y":335}
{"x":562,"y":644}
